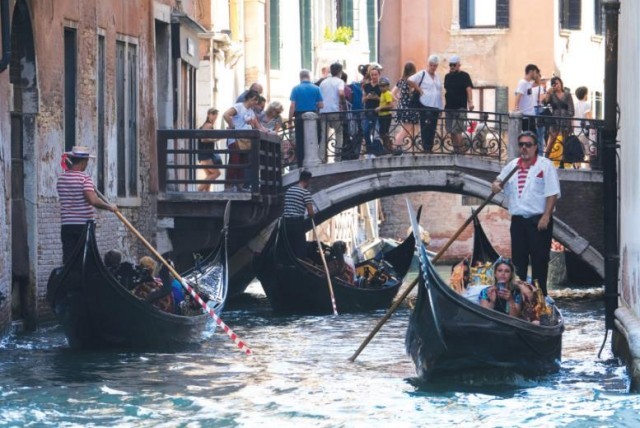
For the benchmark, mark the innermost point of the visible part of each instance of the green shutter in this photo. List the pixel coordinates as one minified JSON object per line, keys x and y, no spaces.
{"x":345,"y":14}
{"x":372,"y":30}
{"x":274,"y":34}
{"x":305,"y":34}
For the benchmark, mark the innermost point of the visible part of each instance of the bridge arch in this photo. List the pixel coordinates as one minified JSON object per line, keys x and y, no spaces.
{"x":340,"y":186}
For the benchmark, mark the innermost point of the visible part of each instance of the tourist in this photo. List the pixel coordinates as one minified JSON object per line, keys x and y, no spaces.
{"x":408,"y":119}
{"x":297,"y":202}
{"x":582,"y":127}
{"x":371,"y":101}
{"x":531,"y":197}
{"x":206,"y":156}
{"x":525,"y":100}
{"x":561,"y":103}
{"x":78,"y":198}
{"x":305,"y":97}
{"x":504,"y":294}
{"x":271,"y":118}
{"x":332,"y":89}
{"x":255,"y":87}
{"x":386,"y":105}
{"x":429,"y":85}
{"x":458,"y":96}
{"x":240,"y":116}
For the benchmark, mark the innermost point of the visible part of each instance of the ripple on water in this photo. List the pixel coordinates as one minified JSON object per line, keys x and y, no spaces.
{"x":301,"y":377}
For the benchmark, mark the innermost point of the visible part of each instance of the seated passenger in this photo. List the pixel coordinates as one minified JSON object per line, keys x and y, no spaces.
{"x":338,"y":265}
{"x":112,"y":260}
{"x":504,"y":295}
{"x":151,"y":289}
{"x":460,"y":275}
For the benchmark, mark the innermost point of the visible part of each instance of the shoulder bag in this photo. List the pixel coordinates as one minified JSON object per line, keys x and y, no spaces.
{"x":414,"y":102}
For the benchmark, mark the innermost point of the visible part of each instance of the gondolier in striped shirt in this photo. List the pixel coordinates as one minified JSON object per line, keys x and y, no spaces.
{"x":297,"y":202}
{"x":78,"y":198}
{"x":531,"y":196}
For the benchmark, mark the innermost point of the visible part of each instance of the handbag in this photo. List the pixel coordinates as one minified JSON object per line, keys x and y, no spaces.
{"x":243,"y":143}
{"x":414,"y":102}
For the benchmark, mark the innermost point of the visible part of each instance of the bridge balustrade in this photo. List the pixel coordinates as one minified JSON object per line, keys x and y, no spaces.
{"x":256,"y":170}
{"x":485,"y":134}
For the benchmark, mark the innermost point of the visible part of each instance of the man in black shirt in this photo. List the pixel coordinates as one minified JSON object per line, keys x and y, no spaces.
{"x":458,"y":96}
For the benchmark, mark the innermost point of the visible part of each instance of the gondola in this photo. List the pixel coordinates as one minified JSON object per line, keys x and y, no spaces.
{"x":300,"y":287}
{"x":483,"y":251}
{"x":96,"y":311}
{"x":449,"y":334}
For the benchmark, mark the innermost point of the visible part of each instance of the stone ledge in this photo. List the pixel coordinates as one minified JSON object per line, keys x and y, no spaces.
{"x":628,"y":326}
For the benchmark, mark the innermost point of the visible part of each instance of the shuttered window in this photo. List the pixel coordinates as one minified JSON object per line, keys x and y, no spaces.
{"x":345,"y":13}
{"x":70,"y":84}
{"x":484,"y":13}
{"x":305,"y":34}
{"x":274,"y":34}
{"x":372,"y":29}
{"x":127,"y":118}
{"x":598,"y":17}
{"x":570,"y":11}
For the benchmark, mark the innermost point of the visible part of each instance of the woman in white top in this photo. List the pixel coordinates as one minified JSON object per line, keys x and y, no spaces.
{"x":429,"y":85}
{"x":240,"y":116}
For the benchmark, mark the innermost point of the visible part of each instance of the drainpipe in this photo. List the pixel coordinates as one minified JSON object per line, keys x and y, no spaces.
{"x":6,"y":35}
{"x":609,"y":163}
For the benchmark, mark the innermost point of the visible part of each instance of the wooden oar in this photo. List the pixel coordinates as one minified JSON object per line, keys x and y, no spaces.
{"x":239,"y":343}
{"x":406,"y":292}
{"x":326,"y":268}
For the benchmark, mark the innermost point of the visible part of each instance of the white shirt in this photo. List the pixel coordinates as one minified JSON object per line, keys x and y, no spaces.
{"x":542,"y":182}
{"x":527,"y":100}
{"x":330,"y":88}
{"x":431,"y":89}
{"x":241,"y":119}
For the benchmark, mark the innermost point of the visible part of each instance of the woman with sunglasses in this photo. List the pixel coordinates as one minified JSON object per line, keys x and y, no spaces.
{"x":504,"y":295}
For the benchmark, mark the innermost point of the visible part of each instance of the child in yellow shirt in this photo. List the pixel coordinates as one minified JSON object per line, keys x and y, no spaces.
{"x":387,"y":104}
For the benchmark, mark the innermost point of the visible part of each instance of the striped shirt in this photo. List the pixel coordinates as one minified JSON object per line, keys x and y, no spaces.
{"x":522,"y":177}
{"x":74,"y":207}
{"x":295,"y":201}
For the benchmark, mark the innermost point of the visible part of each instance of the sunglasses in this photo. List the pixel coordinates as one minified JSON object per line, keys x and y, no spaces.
{"x":453,"y":65}
{"x":527,"y":145}
{"x":501,"y":259}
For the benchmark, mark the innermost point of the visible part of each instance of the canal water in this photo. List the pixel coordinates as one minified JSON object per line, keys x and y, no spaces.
{"x":300,"y":377}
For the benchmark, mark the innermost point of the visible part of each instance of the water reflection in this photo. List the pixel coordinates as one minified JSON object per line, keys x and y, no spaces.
{"x":301,"y":377}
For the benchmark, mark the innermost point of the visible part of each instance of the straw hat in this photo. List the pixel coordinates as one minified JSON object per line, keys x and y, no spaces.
{"x":81,"y":152}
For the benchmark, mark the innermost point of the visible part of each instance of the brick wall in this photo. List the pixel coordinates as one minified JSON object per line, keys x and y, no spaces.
{"x":442,"y":215}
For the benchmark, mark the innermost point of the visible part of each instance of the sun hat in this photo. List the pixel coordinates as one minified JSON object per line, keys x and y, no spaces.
{"x":80,"y":152}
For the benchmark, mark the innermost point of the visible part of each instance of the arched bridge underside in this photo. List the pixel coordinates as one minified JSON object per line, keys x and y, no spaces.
{"x":578,"y":218}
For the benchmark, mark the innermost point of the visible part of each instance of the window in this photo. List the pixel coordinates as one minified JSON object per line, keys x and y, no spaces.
{"x":570,"y":11}
{"x":305,"y":34}
{"x":70,"y":82}
{"x":598,"y":18}
{"x":484,"y":13}
{"x":372,"y":28}
{"x":100,"y":107}
{"x":344,"y":10}
{"x":127,"y":118}
{"x":274,"y":34}
{"x":597,"y":100}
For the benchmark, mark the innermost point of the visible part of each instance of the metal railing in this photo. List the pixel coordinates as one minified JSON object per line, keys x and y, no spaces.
{"x":256,"y":169}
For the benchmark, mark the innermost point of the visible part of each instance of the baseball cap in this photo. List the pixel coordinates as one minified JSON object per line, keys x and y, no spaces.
{"x":454,"y":59}
{"x":384,"y":81}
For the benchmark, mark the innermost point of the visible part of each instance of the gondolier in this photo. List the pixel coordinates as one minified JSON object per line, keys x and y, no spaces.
{"x":531,"y":200}
{"x":78,"y":198}
{"x":297,"y":202}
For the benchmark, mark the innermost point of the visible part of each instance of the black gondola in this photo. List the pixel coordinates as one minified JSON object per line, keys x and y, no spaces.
{"x":300,"y":287}
{"x":96,"y":311}
{"x":449,"y":334}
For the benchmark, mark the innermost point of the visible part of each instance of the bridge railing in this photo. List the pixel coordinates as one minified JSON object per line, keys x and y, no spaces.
{"x":351,"y":134}
{"x":256,"y":169}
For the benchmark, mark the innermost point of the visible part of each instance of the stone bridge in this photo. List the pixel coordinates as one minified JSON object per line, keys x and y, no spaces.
{"x":338,"y":186}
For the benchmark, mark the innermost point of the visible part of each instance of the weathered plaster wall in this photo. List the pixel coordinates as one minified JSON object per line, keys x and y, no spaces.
{"x":5,"y":205}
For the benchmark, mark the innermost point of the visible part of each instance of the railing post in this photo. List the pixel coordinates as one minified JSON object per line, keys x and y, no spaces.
{"x":514,"y":129}
{"x":311,"y":157}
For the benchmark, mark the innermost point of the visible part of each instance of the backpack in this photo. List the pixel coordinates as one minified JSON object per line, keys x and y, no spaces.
{"x":573,"y":151}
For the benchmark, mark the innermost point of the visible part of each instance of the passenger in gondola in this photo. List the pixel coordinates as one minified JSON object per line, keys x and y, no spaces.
{"x":338,"y":264}
{"x":152,"y":290}
{"x":460,"y":275}
{"x":504,"y":295}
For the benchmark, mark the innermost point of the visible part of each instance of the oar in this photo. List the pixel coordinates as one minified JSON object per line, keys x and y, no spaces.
{"x":406,"y":292}
{"x":239,"y":343}
{"x":326,"y":268}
